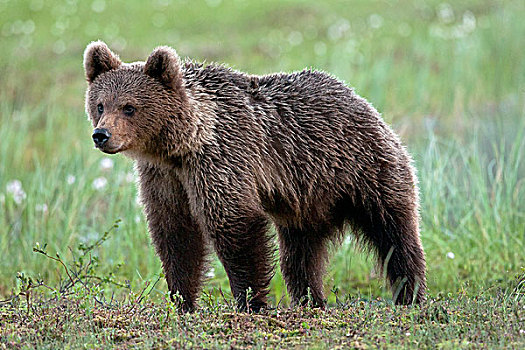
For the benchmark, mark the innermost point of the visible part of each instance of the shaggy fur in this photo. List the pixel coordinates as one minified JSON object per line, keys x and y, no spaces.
{"x":221,"y":155}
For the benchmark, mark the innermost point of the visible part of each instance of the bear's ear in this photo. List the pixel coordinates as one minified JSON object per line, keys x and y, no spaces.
{"x":163,"y":65}
{"x":99,"y":59}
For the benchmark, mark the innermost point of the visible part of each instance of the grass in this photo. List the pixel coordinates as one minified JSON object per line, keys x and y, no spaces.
{"x":82,"y":311}
{"x":449,"y":78}
{"x":451,"y":323}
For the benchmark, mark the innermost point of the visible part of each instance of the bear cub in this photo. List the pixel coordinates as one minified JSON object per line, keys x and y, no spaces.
{"x":221,"y":155}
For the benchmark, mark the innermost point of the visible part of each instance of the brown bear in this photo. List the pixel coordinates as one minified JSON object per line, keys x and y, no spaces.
{"x":221,"y":155}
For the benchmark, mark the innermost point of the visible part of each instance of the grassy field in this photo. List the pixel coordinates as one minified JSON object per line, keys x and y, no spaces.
{"x":449,"y":78}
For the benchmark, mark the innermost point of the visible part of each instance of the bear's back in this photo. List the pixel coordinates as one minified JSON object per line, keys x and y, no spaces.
{"x":307,"y":85}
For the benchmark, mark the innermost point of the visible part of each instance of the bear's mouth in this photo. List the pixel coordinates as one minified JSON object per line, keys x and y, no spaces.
{"x":111,"y":150}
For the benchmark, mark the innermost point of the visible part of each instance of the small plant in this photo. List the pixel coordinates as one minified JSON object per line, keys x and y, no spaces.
{"x":83,"y":276}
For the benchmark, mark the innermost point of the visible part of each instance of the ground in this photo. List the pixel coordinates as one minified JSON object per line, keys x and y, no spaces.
{"x":451,"y":321}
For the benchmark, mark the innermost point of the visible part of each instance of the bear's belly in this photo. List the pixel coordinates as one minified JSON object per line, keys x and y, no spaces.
{"x":290,"y":214}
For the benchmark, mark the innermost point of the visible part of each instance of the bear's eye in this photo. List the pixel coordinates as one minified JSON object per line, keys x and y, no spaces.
{"x":100,"y":108}
{"x":129,"y":110}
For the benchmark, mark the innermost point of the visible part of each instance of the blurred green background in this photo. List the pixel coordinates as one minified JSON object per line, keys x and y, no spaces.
{"x":449,"y":77}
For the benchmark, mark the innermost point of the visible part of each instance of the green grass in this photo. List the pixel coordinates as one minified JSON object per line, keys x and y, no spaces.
{"x":452,"y":86}
{"x":82,"y":311}
{"x":455,"y":322}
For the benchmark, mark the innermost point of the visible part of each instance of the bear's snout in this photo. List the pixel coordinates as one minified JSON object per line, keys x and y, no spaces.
{"x":100,"y":137}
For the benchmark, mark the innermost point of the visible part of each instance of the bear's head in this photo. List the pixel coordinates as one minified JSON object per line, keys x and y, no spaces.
{"x":139,"y":109}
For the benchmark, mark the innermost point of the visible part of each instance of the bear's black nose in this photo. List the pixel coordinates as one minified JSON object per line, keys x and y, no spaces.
{"x":101,"y":136}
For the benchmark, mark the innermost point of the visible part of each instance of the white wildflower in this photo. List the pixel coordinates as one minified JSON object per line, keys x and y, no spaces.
{"x":19,"y":197}
{"x":210,"y":273}
{"x":295,"y":38}
{"x":407,"y":334}
{"x":376,"y":21}
{"x":445,"y":13}
{"x":320,"y":48}
{"x":89,"y":237}
{"x":130,"y":177}
{"x":36,"y":5}
{"x":98,"y":6}
{"x":59,"y":47}
{"x":29,"y":27}
{"x":119,"y":44}
{"x":99,"y":183}
{"x":469,"y":21}
{"x":213,"y":3}
{"x":41,"y":208}
{"x":338,"y":29}
{"x":106,"y":164}
{"x":404,"y":29}
{"x":137,"y":219}
{"x":451,"y":255}
{"x":70,"y":179}
{"x":14,"y":187}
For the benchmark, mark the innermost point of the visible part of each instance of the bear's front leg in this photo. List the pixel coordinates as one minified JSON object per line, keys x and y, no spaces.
{"x":244,"y":248}
{"x":238,"y":228}
{"x":177,"y":237}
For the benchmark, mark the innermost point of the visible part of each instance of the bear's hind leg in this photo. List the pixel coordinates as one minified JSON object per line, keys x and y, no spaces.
{"x":394,"y":235}
{"x":303,"y":258}
{"x":405,"y":263}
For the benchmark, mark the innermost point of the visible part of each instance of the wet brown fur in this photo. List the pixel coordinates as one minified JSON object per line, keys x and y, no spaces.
{"x":221,"y":155}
